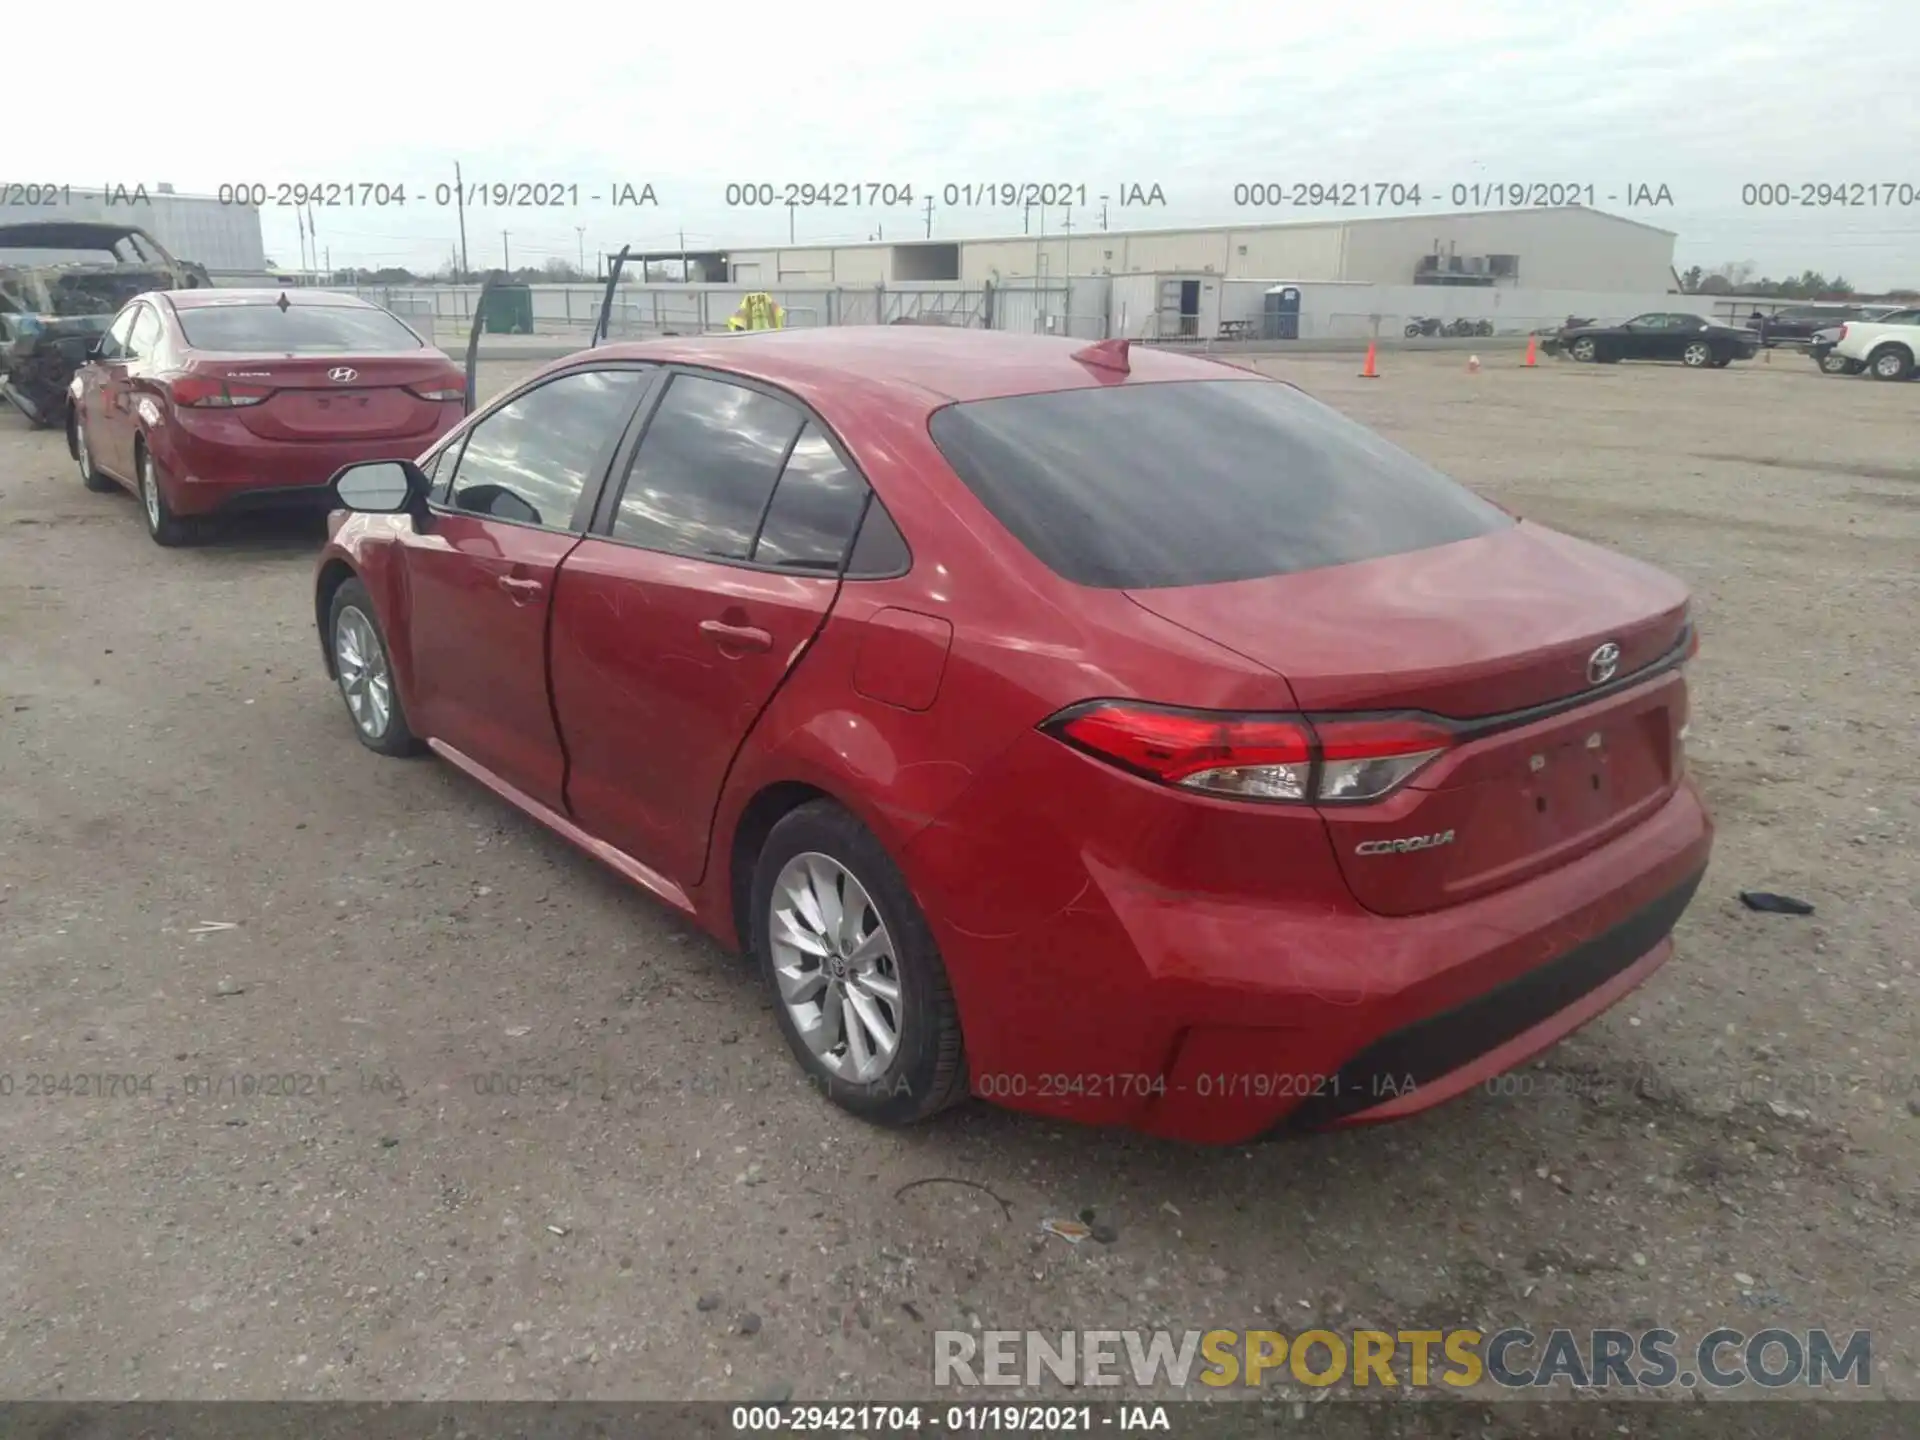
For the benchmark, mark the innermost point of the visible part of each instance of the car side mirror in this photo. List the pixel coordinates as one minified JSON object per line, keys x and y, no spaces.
{"x":380,"y":487}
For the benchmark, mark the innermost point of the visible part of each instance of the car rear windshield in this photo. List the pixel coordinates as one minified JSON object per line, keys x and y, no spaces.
{"x":297,"y":330}
{"x":1198,"y":482}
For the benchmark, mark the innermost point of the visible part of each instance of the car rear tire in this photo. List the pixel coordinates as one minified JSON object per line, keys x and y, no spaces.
{"x":859,"y":989}
{"x":1890,"y":362}
{"x":83,"y":456}
{"x":165,"y":527}
{"x":1698,"y":355}
{"x":363,"y":669}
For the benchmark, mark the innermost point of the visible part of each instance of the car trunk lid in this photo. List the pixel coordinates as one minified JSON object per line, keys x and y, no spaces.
{"x":1496,"y":634}
{"x":334,"y":397}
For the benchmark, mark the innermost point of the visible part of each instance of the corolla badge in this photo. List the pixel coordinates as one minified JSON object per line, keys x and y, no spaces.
{"x":1602,"y":664}
{"x":343,"y":373}
{"x":1401,"y":847}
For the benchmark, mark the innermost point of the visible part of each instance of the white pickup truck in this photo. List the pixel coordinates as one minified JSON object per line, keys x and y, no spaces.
{"x":1886,"y":350}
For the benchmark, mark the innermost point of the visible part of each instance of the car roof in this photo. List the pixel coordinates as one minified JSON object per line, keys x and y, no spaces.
{"x":927,"y":365}
{"x":202,"y":298}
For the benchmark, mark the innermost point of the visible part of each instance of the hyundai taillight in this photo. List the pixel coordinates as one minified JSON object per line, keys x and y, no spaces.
{"x":204,"y":392}
{"x":444,"y":392}
{"x":1326,"y":760}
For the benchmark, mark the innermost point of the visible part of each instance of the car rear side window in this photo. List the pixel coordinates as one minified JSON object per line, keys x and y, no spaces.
{"x":531,"y":459}
{"x":703,"y":474}
{"x":815,"y":508}
{"x":146,"y":334}
{"x":1198,"y":483}
{"x":297,"y":330}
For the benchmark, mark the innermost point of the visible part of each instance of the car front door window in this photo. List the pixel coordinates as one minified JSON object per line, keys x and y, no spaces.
{"x":113,"y":345}
{"x":531,"y":460}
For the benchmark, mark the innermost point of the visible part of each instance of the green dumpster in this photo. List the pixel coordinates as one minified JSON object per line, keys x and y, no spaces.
{"x":509,"y":310}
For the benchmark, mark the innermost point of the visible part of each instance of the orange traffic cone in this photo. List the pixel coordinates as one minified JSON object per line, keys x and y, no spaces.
{"x":1369,"y":371}
{"x":1531,"y":361}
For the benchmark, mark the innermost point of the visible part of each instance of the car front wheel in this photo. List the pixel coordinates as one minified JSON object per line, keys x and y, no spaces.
{"x":1697,"y":354}
{"x":364,"y":669}
{"x":1585,"y":349}
{"x":859,"y":988}
{"x":1834,"y":364}
{"x":1890,"y":362}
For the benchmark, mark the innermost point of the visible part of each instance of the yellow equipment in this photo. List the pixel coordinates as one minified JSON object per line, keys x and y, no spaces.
{"x":759,"y":311}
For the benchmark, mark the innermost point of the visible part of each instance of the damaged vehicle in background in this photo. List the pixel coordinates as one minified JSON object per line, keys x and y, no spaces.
{"x":51,"y":313}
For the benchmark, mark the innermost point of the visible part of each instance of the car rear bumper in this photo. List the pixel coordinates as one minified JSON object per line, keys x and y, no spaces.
{"x":221,"y":470}
{"x":1215,"y":1019}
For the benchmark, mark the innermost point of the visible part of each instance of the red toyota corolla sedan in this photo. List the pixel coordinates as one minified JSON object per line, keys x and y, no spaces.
{"x":207,"y":402}
{"x":1116,"y":735}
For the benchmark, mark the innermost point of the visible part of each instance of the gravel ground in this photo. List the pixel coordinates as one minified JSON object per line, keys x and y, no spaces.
{"x":657,"y":1207}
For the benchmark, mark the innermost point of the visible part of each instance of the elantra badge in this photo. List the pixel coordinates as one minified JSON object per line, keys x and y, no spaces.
{"x":343,"y":373}
{"x":1401,"y":847}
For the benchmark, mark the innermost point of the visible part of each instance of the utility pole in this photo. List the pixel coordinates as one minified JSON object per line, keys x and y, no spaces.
{"x":929,"y":217}
{"x":329,"y":264}
{"x":313,"y":235}
{"x":506,"y":255}
{"x":1026,"y":218}
{"x":685,"y":276}
{"x":460,"y":204}
{"x":1103,"y":212}
{"x":581,"y":231}
{"x":792,"y":211}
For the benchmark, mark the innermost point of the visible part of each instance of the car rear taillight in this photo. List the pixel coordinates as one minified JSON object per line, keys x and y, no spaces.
{"x":1843,"y":334}
{"x":1329,"y":760}
{"x":452,"y":392}
{"x":202,"y":392}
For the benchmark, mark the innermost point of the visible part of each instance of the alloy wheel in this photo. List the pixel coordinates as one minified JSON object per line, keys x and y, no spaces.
{"x":364,"y":678}
{"x":1697,"y":354}
{"x":1583,"y":350}
{"x":834,"y":962}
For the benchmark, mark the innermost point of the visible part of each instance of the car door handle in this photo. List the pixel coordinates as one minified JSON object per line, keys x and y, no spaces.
{"x":736,"y":637}
{"x":519,"y":589}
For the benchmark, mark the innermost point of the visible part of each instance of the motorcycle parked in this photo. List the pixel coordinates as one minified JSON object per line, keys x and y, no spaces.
{"x":1463,"y":328}
{"x":1424,"y":325}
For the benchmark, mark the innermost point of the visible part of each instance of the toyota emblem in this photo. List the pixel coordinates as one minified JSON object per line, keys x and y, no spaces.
{"x":1602,"y":664}
{"x":343,"y":373}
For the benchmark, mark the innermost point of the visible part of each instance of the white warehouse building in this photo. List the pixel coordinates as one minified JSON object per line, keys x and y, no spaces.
{"x":1565,"y":248}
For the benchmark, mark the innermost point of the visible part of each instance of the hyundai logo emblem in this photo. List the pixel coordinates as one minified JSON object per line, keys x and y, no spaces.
{"x":1602,"y":664}
{"x":343,"y":373}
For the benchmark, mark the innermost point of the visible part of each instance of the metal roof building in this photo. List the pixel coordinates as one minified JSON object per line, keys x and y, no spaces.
{"x":1563,"y":248}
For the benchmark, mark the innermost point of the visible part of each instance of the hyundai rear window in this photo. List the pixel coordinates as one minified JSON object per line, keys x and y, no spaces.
{"x":1198,"y":483}
{"x":297,"y":330}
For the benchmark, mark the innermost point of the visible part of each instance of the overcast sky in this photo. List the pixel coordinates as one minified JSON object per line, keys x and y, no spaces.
{"x":1194,"y":97}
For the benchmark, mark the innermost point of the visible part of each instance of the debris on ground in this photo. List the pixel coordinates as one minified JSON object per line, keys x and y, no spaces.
{"x":1071,"y":1231}
{"x":1773,"y":904}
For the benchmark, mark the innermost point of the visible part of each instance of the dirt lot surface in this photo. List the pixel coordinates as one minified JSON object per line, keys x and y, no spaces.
{"x":664,"y":1210}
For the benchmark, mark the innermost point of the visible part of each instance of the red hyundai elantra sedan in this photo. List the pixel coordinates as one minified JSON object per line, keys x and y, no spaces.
{"x":207,"y":402}
{"x":1112,"y":734}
